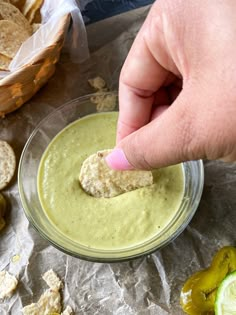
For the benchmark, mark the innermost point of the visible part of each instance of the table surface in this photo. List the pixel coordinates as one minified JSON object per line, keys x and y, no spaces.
{"x":149,"y":285}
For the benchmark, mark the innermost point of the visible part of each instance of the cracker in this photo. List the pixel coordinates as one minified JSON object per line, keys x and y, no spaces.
{"x":97,"y":83}
{"x":50,"y":301}
{"x":27,"y":6}
{"x":11,"y":13}
{"x":31,"y":8}
{"x":98,"y":180}
{"x":11,"y":38}
{"x":4,"y":62}
{"x":8,"y":284}
{"x":52,"y":280}
{"x":31,"y":16}
{"x":104,"y":102}
{"x":7,"y":163}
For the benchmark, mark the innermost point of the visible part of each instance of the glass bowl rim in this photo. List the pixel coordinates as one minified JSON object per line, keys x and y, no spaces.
{"x":42,"y":233}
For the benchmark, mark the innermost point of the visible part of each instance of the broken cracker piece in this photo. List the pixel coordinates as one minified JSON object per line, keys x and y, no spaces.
{"x":30,"y":15}
{"x":97,"y":83}
{"x":7,"y":164}
{"x":104,"y":103}
{"x":49,"y":302}
{"x":98,"y":180}
{"x":52,"y":280}
{"x":8,"y":283}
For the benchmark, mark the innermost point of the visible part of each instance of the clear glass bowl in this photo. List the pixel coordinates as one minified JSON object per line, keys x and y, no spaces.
{"x":27,"y":181}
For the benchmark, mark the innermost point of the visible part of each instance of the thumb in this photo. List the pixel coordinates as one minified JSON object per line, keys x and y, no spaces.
{"x":169,"y":139}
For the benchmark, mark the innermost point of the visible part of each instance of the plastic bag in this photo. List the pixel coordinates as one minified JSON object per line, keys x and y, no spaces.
{"x":51,"y":13}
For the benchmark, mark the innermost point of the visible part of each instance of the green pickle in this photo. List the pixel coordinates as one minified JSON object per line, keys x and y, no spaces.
{"x":199,"y":291}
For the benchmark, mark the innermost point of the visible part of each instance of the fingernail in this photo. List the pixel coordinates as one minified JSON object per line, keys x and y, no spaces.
{"x":117,"y":160}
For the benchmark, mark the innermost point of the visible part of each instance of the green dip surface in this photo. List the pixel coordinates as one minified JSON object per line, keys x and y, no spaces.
{"x":124,"y":221}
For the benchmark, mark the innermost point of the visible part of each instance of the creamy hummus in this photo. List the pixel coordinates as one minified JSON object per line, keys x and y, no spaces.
{"x":102,"y":223}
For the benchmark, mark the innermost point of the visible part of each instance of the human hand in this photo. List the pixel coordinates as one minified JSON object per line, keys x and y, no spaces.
{"x":183,"y":56}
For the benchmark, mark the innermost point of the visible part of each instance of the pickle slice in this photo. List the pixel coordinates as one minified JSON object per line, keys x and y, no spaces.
{"x":225,"y":303}
{"x":198,"y":294}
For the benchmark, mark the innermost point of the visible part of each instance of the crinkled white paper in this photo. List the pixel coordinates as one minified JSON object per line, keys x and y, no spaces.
{"x":146,"y":286}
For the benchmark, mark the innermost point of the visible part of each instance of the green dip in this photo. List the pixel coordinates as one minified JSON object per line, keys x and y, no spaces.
{"x":102,"y":223}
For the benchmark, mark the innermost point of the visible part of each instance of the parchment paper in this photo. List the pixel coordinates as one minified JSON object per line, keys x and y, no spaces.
{"x":149,"y":285}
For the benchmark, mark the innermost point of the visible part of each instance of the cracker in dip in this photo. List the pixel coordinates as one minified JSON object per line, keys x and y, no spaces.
{"x":98,"y":180}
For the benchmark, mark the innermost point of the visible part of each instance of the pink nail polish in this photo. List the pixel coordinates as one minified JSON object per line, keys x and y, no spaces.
{"x":117,"y":160}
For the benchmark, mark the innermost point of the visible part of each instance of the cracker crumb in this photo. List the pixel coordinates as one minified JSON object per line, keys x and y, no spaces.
{"x":8,"y":284}
{"x":104,"y":102}
{"x":50,"y":300}
{"x":97,"y":83}
{"x":52,"y":280}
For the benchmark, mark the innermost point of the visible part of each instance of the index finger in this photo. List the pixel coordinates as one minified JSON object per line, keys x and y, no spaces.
{"x":140,"y":79}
